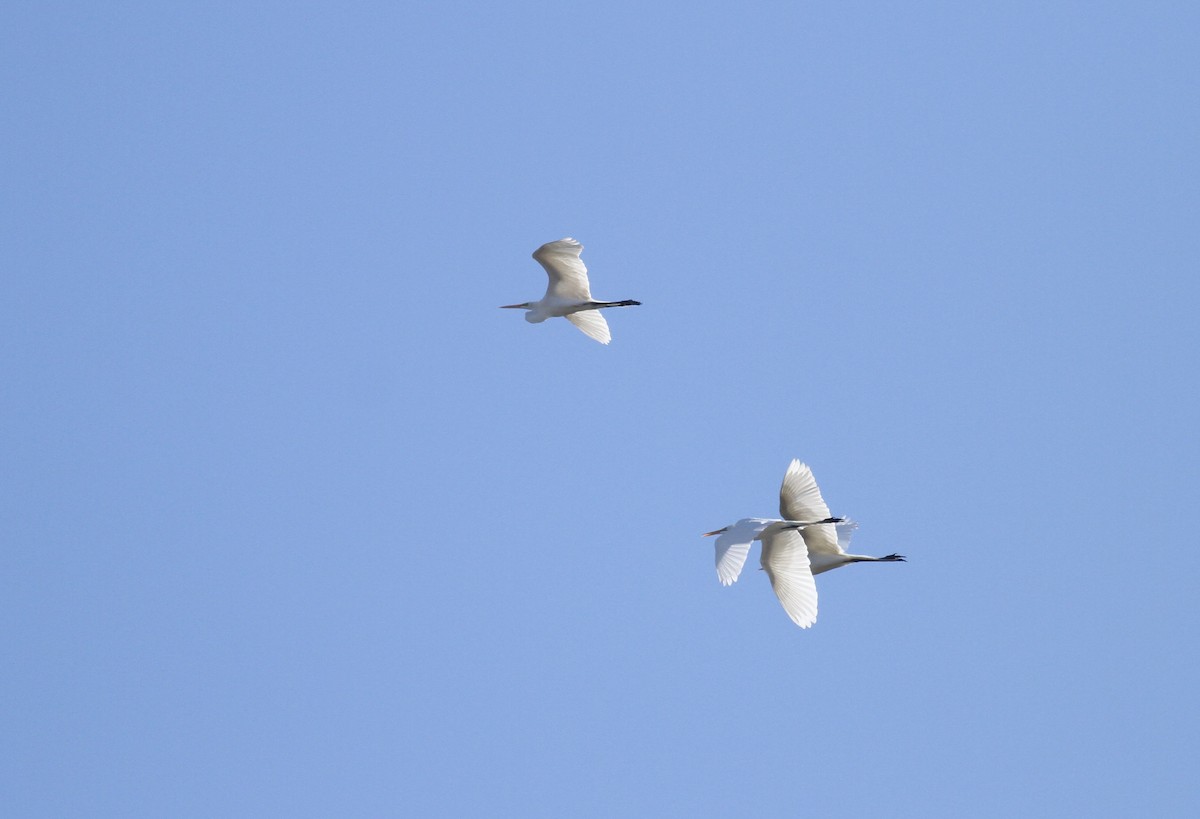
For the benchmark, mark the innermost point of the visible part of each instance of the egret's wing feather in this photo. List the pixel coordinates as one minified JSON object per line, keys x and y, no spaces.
{"x":785,"y":560}
{"x":592,"y":324}
{"x":568,"y":276}
{"x":733,"y":545}
{"x":845,"y":531}
{"x":799,"y":497}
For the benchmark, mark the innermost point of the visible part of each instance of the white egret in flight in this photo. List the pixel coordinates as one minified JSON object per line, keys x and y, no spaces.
{"x":805,"y":543}
{"x":568,"y":294}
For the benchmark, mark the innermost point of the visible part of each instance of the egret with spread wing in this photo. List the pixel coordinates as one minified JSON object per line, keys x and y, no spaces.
{"x":568,"y":294}
{"x":806,"y":542}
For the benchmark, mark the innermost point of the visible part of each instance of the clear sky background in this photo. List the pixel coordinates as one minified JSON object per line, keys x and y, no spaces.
{"x":297,"y":523}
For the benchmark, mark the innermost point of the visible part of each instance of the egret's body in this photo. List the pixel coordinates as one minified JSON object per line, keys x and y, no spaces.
{"x":568,"y":294}
{"x":806,"y":542}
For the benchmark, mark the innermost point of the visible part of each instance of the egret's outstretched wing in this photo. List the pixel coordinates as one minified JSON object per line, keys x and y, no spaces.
{"x":733,"y":546}
{"x":568,"y":276}
{"x":785,"y":559}
{"x":592,"y":324}
{"x":800,"y":499}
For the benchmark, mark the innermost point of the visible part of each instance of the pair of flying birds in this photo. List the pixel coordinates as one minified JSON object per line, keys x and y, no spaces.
{"x":804,"y":542}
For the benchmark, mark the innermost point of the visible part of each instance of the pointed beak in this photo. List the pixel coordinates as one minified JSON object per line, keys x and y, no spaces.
{"x":716,"y":532}
{"x":512,"y":306}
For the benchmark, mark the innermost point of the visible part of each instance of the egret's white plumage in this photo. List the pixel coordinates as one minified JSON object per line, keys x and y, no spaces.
{"x":787,"y":565}
{"x":806,"y":542}
{"x":568,"y":294}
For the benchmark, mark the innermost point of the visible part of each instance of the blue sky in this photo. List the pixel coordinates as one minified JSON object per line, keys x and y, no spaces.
{"x":298,"y":523}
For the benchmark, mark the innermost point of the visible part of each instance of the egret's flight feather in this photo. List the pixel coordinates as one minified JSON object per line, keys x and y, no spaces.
{"x":799,"y":496}
{"x":800,"y":499}
{"x":733,"y":546}
{"x":568,"y":276}
{"x":785,"y":560}
{"x":593,"y":325}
